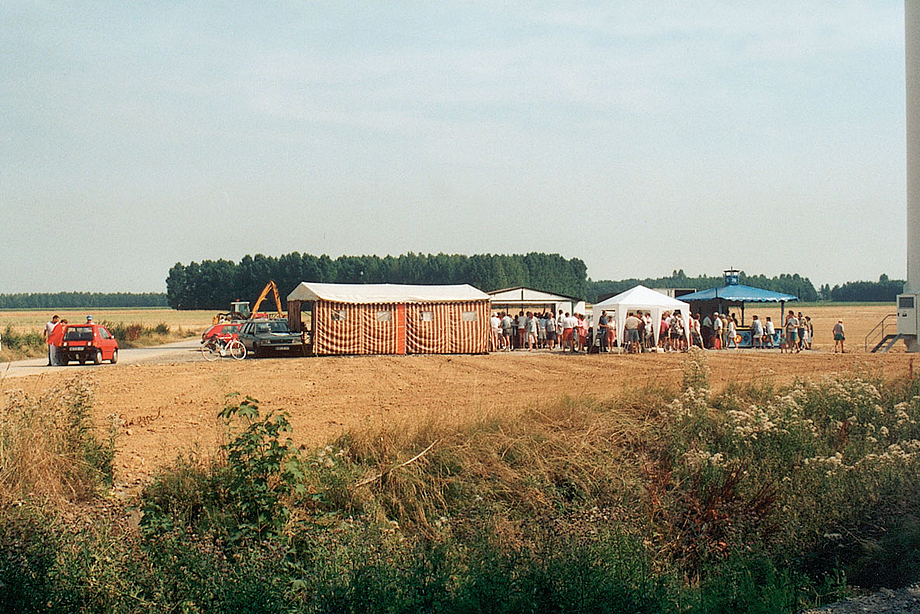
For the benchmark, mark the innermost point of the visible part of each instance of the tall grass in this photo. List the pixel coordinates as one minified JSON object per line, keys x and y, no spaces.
{"x":49,"y":448}
{"x":754,"y":500}
{"x":20,"y":345}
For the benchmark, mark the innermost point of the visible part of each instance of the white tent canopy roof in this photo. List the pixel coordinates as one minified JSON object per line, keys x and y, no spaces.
{"x":384,"y":293}
{"x":641,"y":297}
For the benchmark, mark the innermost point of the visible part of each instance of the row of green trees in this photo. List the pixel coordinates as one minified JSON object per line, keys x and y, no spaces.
{"x":788,"y":284}
{"x":882,"y":290}
{"x":79,"y":300}
{"x":213,"y":284}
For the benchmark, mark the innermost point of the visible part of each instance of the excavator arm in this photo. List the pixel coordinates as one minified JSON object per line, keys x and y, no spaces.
{"x":270,"y":286}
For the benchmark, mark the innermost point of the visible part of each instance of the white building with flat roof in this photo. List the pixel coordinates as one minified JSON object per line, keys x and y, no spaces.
{"x":513,"y":300}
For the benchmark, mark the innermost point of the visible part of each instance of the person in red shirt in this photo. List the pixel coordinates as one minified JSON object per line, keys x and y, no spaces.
{"x":56,"y":340}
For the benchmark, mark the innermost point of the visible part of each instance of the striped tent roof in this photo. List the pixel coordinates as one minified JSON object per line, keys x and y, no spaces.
{"x":380,"y":294}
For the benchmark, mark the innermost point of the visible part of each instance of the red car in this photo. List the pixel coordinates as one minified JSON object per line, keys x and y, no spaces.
{"x":85,"y":342}
{"x":225,"y":331}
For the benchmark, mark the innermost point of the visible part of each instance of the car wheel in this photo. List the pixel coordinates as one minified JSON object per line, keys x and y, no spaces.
{"x":97,"y":358}
{"x":114,"y":356}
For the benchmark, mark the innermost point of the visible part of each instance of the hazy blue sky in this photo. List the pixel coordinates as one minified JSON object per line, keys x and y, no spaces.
{"x":641,"y":136}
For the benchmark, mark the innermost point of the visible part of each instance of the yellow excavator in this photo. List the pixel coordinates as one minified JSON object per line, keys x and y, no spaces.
{"x":239,"y":310}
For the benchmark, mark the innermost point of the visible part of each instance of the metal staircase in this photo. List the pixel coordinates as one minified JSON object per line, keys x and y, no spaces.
{"x":881,"y":336}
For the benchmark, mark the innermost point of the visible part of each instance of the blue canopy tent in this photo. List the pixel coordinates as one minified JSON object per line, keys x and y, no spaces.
{"x":734,"y":293}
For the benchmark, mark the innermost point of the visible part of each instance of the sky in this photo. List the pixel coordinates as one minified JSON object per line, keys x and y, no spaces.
{"x":641,"y":137}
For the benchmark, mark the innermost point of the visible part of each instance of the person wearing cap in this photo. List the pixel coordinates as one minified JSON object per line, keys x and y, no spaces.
{"x":89,"y":319}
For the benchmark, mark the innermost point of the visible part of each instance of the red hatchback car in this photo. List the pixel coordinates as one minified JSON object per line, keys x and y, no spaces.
{"x":88,"y":342}
{"x":225,"y":331}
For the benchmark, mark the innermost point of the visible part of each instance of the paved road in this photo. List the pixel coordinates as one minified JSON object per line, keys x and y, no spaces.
{"x":179,"y":351}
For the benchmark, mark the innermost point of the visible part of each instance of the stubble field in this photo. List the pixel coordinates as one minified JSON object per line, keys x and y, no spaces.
{"x":162,"y":409}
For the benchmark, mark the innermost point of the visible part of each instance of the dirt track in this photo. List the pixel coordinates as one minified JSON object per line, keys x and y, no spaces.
{"x":167,"y":408}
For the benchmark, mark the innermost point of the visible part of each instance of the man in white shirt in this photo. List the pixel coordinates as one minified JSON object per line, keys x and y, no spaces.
{"x":568,"y":328}
{"x":496,"y":331}
{"x":716,"y":331}
{"x":49,"y":328}
{"x":632,"y":325}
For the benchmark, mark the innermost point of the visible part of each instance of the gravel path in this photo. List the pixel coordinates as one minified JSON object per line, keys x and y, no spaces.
{"x":178,"y":351}
{"x":886,"y":601}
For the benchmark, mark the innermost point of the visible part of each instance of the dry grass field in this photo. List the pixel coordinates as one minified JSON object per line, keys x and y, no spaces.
{"x":32,"y":321}
{"x":165,"y":408}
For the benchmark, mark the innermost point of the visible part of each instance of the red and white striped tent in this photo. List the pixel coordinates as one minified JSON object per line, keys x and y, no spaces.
{"x":392,"y":318}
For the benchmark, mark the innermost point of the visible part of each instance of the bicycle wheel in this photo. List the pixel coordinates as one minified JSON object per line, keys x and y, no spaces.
{"x":237,"y":349}
{"x":210,"y":351}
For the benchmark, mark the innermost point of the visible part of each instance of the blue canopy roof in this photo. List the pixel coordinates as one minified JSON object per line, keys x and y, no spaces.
{"x":737,"y":293}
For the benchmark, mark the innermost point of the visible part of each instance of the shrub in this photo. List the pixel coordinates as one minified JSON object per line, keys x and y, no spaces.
{"x":49,"y":447}
{"x":28,"y":344}
{"x":129,"y":335}
{"x":245,"y":494}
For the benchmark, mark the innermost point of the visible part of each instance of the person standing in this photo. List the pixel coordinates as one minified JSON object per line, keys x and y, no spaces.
{"x":730,"y":332}
{"x":839,"y":336}
{"x":507,"y":326}
{"x":46,"y":335}
{"x":582,"y":327}
{"x":809,"y":332}
{"x":550,"y":331}
{"x":521,"y":330}
{"x":632,"y":325}
{"x":716,"y":331}
{"x":602,"y":331}
{"x":800,"y":333}
{"x":676,"y":333}
{"x":496,"y":323}
{"x":568,"y":325}
{"x":756,"y":333}
{"x":769,"y":331}
{"x":56,"y":340}
{"x":531,"y":332}
{"x":791,"y":326}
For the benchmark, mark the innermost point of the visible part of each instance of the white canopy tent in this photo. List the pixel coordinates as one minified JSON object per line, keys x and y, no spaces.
{"x":643,"y":299}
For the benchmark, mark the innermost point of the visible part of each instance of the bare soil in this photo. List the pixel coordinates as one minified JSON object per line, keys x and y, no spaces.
{"x":164,"y":409}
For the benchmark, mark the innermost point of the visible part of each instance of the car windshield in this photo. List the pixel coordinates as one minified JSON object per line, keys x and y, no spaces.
{"x":273,"y":327}
{"x":78,"y":333}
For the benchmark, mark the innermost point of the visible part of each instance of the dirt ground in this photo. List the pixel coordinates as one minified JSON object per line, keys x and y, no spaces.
{"x":167,"y":408}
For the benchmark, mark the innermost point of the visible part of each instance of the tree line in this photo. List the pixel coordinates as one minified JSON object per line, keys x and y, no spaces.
{"x":213,"y":284}
{"x":882,"y":290}
{"x":789,"y":284}
{"x":81,"y":300}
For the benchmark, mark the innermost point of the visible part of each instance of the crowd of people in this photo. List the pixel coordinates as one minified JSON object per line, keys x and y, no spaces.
{"x":570,"y":332}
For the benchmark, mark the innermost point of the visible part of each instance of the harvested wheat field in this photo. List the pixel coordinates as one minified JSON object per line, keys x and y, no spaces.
{"x":163,"y":409}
